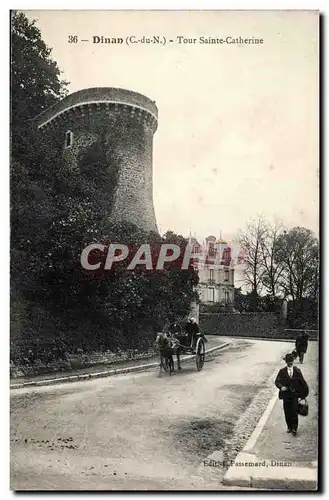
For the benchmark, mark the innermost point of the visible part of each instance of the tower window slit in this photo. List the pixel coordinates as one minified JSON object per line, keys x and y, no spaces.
{"x":68,"y":139}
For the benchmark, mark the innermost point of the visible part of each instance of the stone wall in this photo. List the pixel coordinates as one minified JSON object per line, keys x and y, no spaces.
{"x":79,"y":361}
{"x":262,"y":325}
{"x":244,"y":324}
{"x":97,"y":95}
{"x":293,"y":333}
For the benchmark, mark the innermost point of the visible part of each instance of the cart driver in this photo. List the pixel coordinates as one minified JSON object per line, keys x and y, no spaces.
{"x":192,"y":330}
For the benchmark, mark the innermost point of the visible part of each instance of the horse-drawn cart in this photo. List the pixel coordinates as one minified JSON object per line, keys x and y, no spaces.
{"x":176,"y":342}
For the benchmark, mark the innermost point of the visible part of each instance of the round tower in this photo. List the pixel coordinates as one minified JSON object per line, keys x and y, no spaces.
{"x":121,"y":123}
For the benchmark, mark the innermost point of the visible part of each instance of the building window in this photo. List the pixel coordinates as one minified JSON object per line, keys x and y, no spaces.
{"x":226,"y":275}
{"x":68,"y":139}
{"x":212,"y":294}
{"x":227,"y":298}
{"x":211,"y":250}
{"x":211,"y":274}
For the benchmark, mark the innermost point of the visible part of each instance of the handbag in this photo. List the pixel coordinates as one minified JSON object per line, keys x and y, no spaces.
{"x":303,"y":407}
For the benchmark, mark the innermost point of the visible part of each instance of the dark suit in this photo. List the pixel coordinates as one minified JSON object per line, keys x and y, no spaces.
{"x":297,"y":388}
{"x":301,"y":346}
{"x":192,"y":329}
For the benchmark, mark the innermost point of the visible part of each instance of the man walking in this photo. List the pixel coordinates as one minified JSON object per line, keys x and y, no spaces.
{"x":292,"y":386}
{"x":301,"y":346}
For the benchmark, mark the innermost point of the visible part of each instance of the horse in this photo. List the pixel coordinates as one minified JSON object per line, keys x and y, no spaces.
{"x":168,"y":346}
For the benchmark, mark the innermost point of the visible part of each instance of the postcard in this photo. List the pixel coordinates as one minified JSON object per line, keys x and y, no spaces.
{"x":164,"y":204}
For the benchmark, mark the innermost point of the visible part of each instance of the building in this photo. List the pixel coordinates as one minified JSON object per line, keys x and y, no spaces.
{"x":215,"y":261}
{"x":116,"y":126}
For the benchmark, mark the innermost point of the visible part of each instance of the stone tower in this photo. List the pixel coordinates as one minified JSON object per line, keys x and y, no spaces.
{"x":124,"y":123}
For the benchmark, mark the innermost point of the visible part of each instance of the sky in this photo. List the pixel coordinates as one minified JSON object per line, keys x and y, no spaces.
{"x":238,"y":124}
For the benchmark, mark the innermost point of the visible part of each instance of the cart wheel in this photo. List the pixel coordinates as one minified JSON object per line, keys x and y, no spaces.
{"x":200,"y":354}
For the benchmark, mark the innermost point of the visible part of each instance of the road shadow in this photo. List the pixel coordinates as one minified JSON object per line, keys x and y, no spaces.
{"x":186,"y":370}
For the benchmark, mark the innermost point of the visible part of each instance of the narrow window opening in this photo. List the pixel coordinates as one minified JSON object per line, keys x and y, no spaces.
{"x":68,"y":139}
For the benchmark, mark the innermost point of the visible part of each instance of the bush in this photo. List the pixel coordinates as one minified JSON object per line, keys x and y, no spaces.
{"x":303,"y":314}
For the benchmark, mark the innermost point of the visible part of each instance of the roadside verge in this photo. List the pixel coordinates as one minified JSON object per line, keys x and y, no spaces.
{"x":107,"y":373}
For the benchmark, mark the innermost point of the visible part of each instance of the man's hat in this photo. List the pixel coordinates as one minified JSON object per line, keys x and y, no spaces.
{"x":289,"y":357}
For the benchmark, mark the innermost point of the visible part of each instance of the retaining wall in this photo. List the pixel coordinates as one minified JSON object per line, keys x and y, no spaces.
{"x":75,"y":362}
{"x":261,"y":325}
{"x":244,"y":324}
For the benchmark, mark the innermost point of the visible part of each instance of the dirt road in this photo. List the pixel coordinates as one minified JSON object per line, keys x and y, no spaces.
{"x":135,"y":432}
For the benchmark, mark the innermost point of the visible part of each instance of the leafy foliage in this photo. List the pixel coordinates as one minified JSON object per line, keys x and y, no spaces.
{"x":303,"y":313}
{"x":251,"y":303}
{"x":35,"y":83}
{"x":57,"y":305}
{"x":298,"y":251}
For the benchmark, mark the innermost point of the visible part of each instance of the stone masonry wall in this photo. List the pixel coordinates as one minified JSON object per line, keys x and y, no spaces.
{"x":263,"y":325}
{"x":82,"y":361}
{"x":97,"y":94}
{"x":127,"y":134}
{"x":244,"y":324}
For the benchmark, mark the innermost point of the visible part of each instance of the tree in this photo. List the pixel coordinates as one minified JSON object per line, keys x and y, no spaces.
{"x":251,"y":241}
{"x":35,"y":85}
{"x":55,"y":213}
{"x":242,"y":302}
{"x":271,"y":270}
{"x":297,"y":251}
{"x":247,"y":303}
{"x":35,"y":82}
